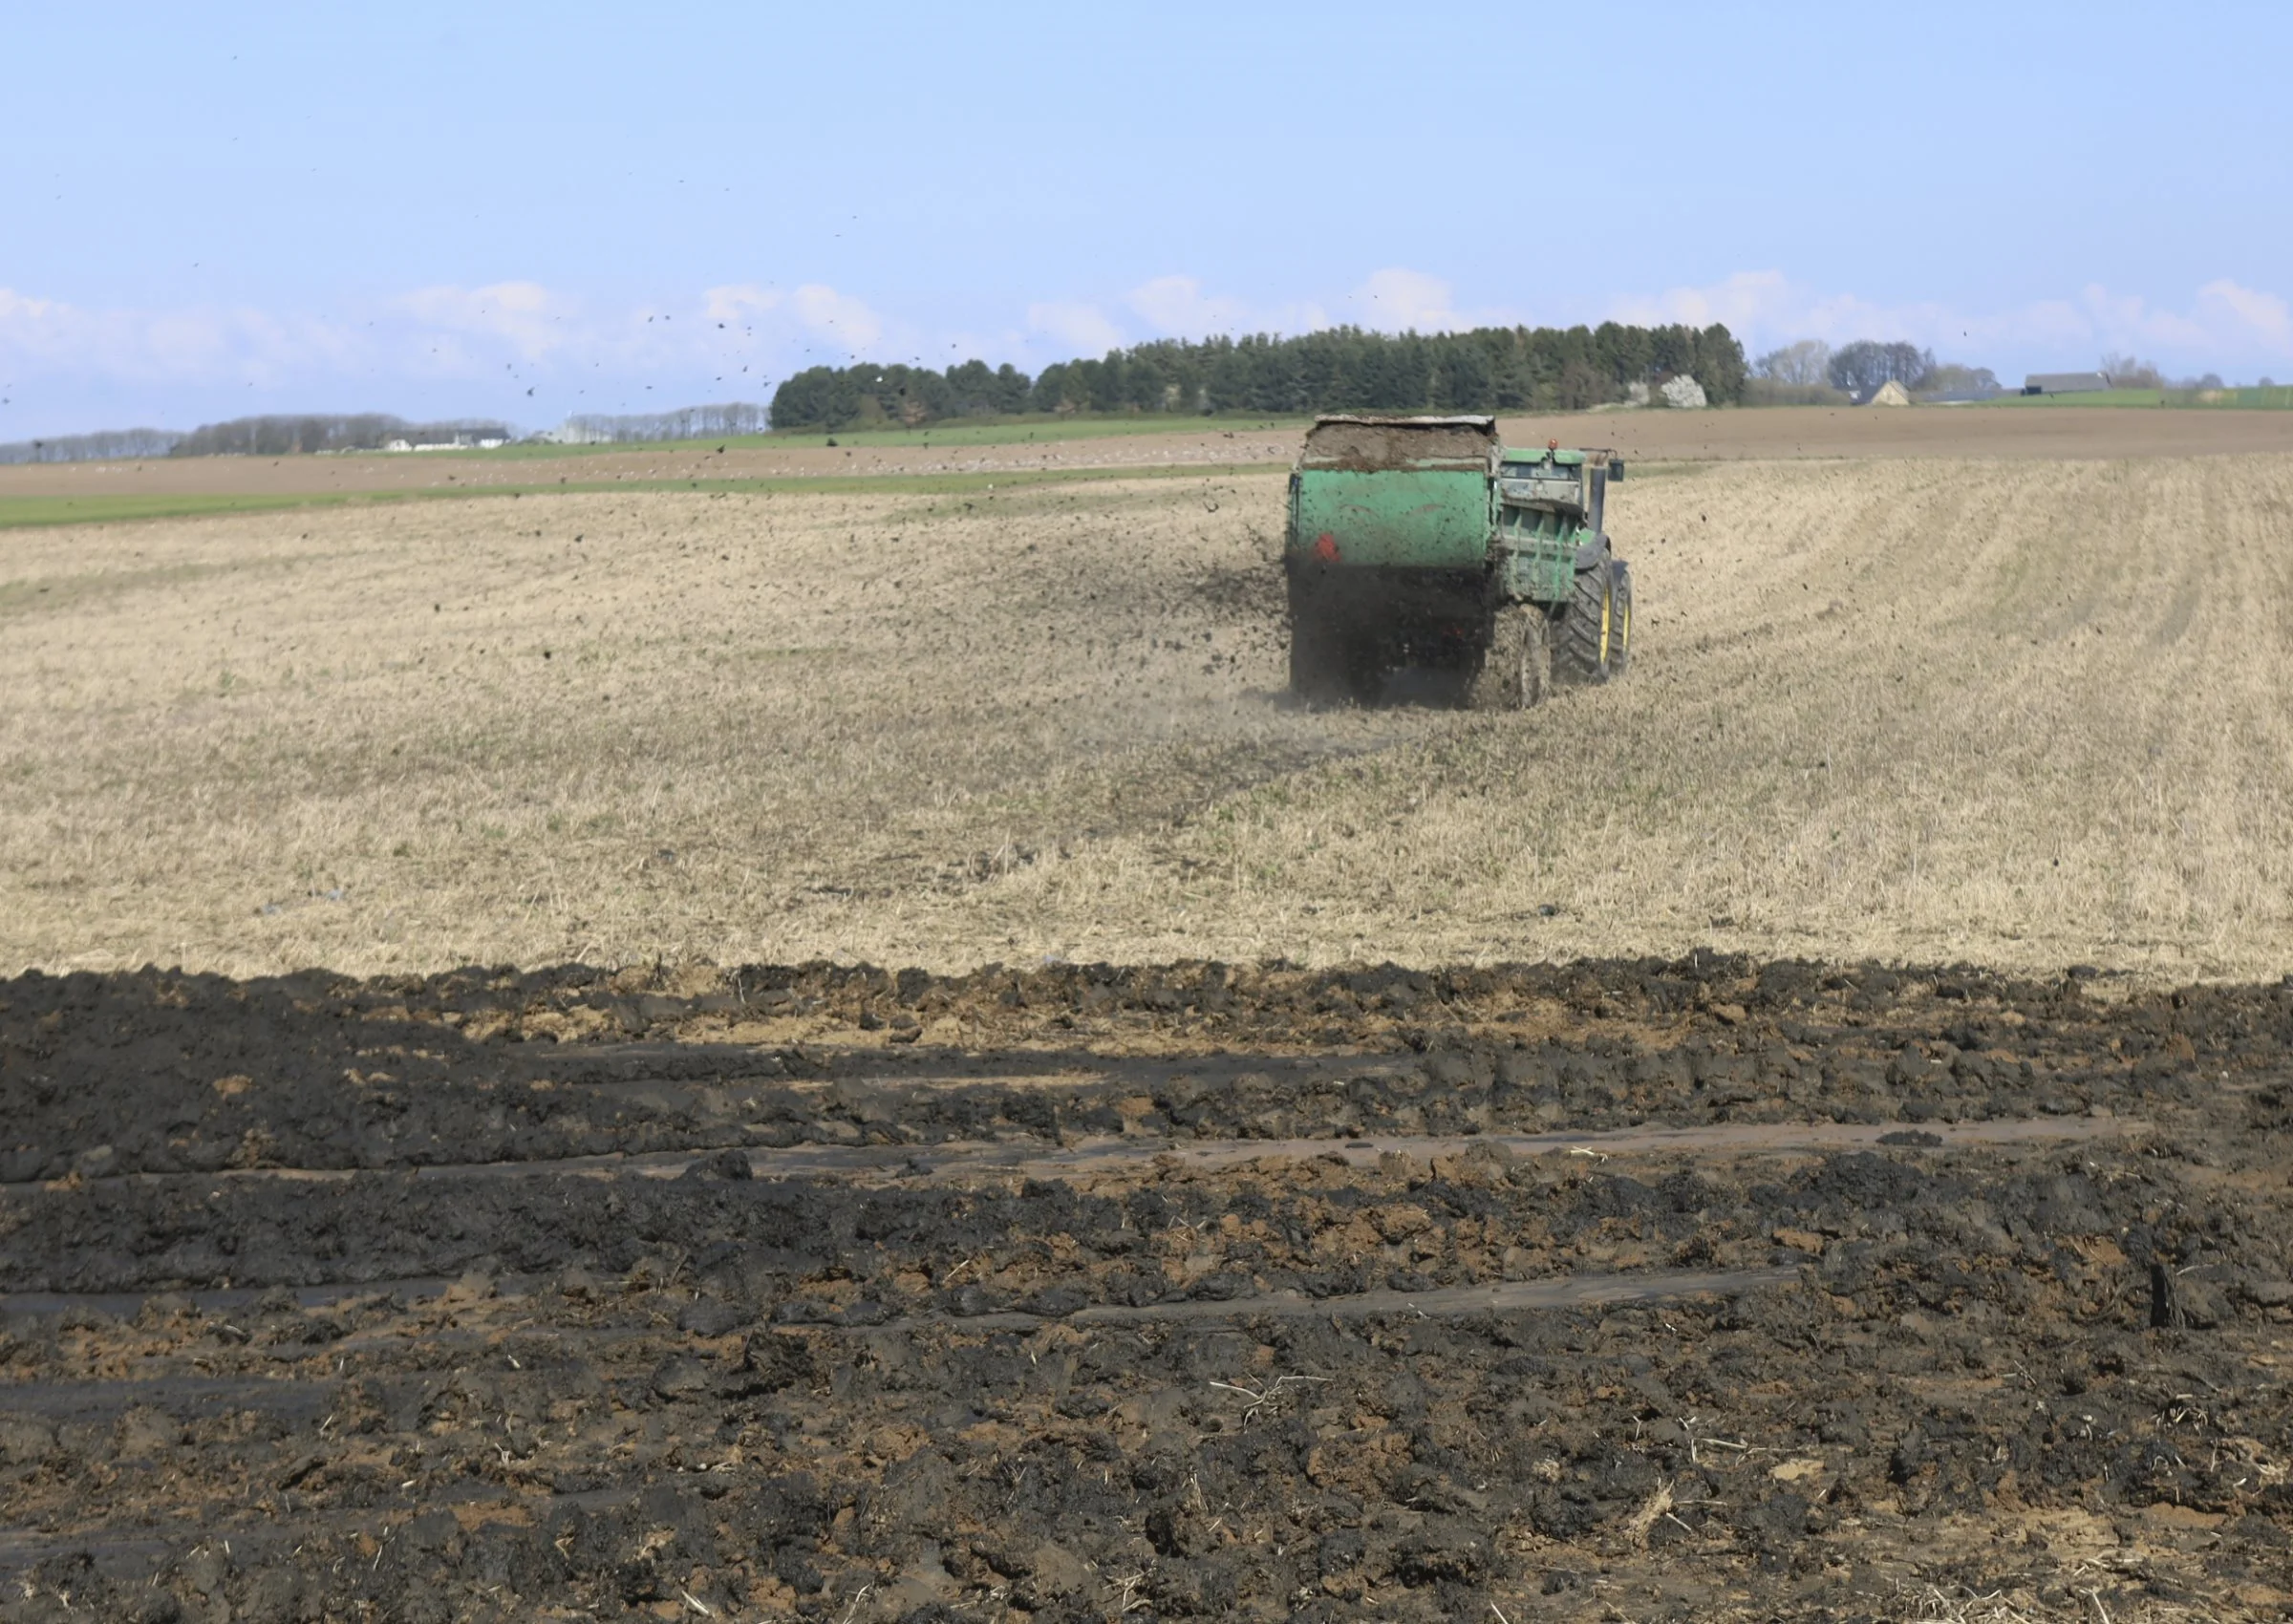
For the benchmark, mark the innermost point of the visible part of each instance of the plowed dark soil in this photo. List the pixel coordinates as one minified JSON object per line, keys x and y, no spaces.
{"x":1701,"y":1289}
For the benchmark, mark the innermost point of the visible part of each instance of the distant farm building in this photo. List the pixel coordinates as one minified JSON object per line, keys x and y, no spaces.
{"x":1889,"y":394}
{"x":2064,"y":383}
{"x":478,"y":440}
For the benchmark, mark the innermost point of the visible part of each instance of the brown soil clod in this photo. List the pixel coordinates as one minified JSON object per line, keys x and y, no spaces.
{"x":1182,"y":1290}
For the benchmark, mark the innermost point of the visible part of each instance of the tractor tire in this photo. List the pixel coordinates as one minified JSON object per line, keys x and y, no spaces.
{"x":1318,"y":663}
{"x":1516,"y":664}
{"x":1619,"y":641}
{"x":1584,"y":641}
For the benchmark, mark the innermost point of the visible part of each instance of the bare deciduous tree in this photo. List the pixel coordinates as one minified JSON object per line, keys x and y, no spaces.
{"x":103,"y":446}
{"x":1952,"y":379}
{"x":687,"y":422}
{"x":296,"y":436}
{"x":1863,"y":366}
{"x":2125,"y":372}
{"x":1806,"y":362}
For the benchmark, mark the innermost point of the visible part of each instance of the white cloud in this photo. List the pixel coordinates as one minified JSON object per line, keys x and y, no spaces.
{"x":524,"y":316}
{"x":515,"y":347}
{"x":837,"y":315}
{"x":2265,"y":318}
{"x":816,"y":307}
{"x":238,"y":346}
{"x":1167,"y":307}
{"x":737,"y":301}
{"x":1084,"y":328}
{"x":24,"y":319}
{"x":2226,"y":325}
{"x":172,"y":344}
{"x":1396,"y":300}
{"x":536,"y":353}
{"x":1748,"y":301}
{"x":1176,"y":307}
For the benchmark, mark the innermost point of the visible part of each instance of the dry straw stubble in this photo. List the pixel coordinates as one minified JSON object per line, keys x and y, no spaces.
{"x":2026,"y":713}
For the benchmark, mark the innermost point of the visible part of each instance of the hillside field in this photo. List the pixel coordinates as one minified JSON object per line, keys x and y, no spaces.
{"x":964,"y":455}
{"x":2026,"y":710}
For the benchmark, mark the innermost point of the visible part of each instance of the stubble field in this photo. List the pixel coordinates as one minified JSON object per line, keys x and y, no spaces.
{"x":1785,"y":1173}
{"x":2025,"y":713}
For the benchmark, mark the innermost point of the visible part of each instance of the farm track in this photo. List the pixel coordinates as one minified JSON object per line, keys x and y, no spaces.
{"x":1019,"y":1158}
{"x":1706,"y":1289}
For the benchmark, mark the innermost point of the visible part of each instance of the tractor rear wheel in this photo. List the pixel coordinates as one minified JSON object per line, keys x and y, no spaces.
{"x":1586,"y":637}
{"x":1619,"y":641}
{"x":1515,"y":665}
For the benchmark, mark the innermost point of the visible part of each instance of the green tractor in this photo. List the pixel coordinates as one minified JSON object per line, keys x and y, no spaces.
{"x":1425,"y":542}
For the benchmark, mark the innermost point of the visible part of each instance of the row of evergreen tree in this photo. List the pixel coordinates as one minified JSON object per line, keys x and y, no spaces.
{"x":1492,"y":369}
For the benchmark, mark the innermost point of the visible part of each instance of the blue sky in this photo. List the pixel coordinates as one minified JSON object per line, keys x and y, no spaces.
{"x":532,"y":210}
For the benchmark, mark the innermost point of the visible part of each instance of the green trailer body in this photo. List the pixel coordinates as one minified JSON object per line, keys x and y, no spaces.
{"x":1425,"y":542}
{"x":1407,"y":517}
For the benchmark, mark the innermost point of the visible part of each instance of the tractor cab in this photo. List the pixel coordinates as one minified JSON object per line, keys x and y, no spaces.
{"x":1555,"y":490}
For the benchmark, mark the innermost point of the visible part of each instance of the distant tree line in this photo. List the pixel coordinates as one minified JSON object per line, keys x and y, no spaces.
{"x":101,"y":447}
{"x":292,"y":435}
{"x":1338,"y":368}
{"x":1812,"y":370}
{"x":687,"y":422}
{"x":2128,"y":372}
{"x":835,"y":398}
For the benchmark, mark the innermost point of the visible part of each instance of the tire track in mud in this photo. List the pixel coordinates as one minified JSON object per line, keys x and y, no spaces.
{"x":1114,"y":1158}
{"x":1511,"y":1296}
{"x":1500,"y":1297}
{"x":1186,"y":1291}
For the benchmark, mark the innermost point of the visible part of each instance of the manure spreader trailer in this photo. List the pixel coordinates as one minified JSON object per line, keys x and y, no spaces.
{"x":1427,"y":542}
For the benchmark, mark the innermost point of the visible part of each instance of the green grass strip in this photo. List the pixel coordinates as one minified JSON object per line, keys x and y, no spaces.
{"x":2090,"y":398}
{"x":21,"y":512}
{"x":2250,"y":399}
{"x":949,"y":432}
